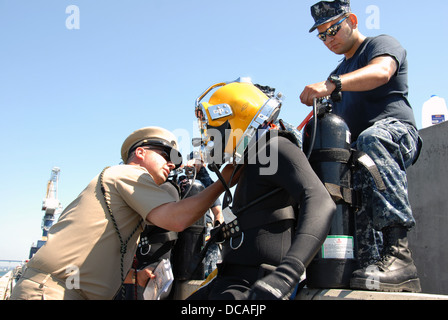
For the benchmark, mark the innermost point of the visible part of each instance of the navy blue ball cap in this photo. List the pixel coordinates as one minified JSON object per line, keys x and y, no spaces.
{"x":326,"y":11}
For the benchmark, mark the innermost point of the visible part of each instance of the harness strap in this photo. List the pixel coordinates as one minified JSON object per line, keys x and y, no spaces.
{"x":152,"y":236}
{"x":342,"y":194}
{"x":331,"y":155}
{"x":218,"y":234}
{"x":350,"y":157}
{"x":161,"y":237}
{"x":363,"y":159}
{"x":246,"y":222}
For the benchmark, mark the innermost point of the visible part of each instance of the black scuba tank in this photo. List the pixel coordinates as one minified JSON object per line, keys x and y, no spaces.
{"x":190,"y":241}
{"x":330,"y":158}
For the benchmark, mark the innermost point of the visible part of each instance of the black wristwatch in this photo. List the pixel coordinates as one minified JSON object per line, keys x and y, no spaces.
{"x":336,"y":80}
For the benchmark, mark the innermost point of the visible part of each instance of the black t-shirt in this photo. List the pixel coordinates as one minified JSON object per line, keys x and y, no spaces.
{"x":360,"y":110}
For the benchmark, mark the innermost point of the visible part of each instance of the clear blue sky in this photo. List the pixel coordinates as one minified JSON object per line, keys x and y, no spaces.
{"x":69,"y":97}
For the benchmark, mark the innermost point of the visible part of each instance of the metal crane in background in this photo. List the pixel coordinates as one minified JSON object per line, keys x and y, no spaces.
{"x":51,"y":206}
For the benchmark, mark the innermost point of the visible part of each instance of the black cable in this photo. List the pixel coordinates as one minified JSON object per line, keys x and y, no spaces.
{"x":228,"y":198}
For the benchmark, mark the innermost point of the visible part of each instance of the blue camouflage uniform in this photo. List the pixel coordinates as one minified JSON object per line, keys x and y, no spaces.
{"x":393,"y":146}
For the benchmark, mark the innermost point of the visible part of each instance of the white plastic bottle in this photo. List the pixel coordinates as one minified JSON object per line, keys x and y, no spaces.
{"x":434,"y":111}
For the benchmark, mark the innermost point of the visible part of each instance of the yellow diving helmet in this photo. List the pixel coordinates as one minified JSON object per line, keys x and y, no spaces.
{"x":236,"y":112}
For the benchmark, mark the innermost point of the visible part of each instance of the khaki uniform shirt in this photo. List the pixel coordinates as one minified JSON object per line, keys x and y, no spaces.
{"x":84,"y":238}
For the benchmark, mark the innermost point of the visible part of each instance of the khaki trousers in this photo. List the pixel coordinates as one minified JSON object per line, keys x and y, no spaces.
{"x":36,"y":285}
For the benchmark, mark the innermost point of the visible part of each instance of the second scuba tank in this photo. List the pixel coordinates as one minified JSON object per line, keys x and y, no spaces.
{"x":192,"y":239}
{"x":331,"y":160}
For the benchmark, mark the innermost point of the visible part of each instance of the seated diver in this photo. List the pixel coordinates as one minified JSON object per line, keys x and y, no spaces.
{"x":283,"y":211}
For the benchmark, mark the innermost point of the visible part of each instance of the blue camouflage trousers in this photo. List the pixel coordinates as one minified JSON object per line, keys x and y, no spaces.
{"x":393,"y":146}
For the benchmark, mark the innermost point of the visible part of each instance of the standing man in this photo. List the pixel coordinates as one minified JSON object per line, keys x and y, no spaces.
{"x":373,"y":80}
{"x":91,"y":248}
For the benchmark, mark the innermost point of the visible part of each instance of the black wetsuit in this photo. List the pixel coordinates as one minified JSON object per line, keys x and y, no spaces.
{"x":288,"y":227}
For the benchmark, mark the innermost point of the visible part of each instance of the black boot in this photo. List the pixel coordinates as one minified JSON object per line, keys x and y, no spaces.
{"x":395,"y":271}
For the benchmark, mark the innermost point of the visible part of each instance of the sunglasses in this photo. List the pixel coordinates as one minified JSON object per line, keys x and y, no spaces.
{"x":162,"y":152}
{"x":331,"y":31}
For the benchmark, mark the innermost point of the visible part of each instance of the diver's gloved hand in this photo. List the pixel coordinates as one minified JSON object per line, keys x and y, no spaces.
{"x":279,"y":284}
{"x":272,"y":287}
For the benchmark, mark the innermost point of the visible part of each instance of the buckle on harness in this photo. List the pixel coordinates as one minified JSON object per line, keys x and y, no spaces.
{"x":239,"y":245}
{"x":231,"y":230}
